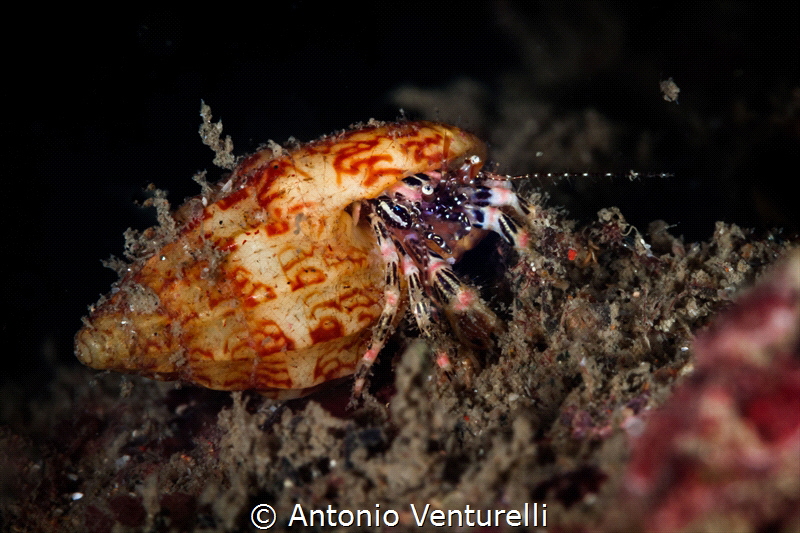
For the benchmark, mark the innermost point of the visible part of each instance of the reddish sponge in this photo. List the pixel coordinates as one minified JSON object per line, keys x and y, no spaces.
{"x":724,"y":451}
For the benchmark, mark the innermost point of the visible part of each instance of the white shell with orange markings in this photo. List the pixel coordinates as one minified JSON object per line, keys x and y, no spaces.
{"x":272,"y":283}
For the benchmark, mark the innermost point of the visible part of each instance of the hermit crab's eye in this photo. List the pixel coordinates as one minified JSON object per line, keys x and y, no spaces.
{"x":421,"y":183}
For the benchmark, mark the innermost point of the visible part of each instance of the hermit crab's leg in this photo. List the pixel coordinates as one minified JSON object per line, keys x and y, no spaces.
{"x":421,"y":309}
{"x":420,"y":306}
{"x":391,"y":302}
{"x":418,"y":298}
{"x":499,"y":196}
{"x":400,"y":217}
{"x":493,"y":219}
{"x":445,"y":284}
{"x":467,"y":310}
{"x":393,"y":213}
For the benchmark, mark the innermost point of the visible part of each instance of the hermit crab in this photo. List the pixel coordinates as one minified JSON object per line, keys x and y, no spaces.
{"x":294,"y":269}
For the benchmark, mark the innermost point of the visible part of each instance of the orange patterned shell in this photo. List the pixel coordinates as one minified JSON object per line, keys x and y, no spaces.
{"x":275,"y":283}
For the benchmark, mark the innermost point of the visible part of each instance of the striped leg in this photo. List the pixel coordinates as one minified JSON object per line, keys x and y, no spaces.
{"x":390,"y":306}
{"x":446,"y":286}
{"x":421,"y":309}
{"x":493,"y":219}
{"x":499,"y":194}
{"x":420,"y":306}
{"x":467,"y":312}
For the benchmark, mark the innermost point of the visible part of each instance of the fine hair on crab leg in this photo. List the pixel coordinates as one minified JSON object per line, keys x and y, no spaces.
{"x":392,"y":297}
